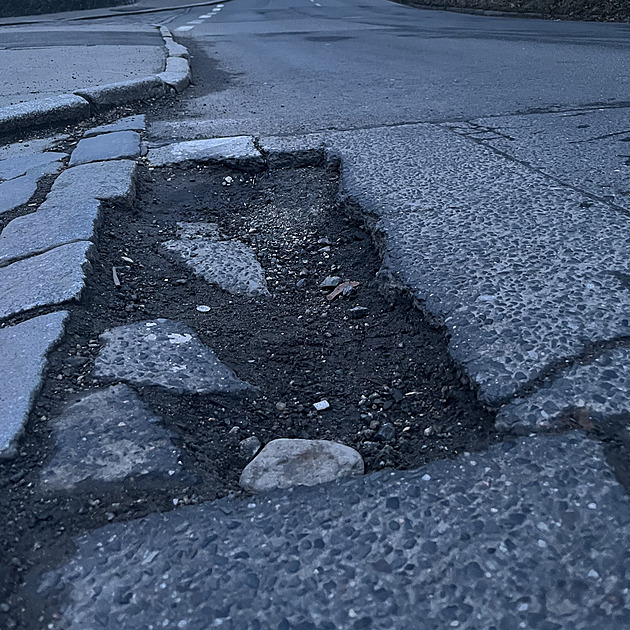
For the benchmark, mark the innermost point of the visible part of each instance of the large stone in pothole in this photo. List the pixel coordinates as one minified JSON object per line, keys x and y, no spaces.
{"x":23,"y":351}
{"x":529,"y":534}
{"x":229,"y":264}
{"x":108,"y":435}
{"x":285,"y":463}
{"x":164,"y":353}
{"x":51,"y":278}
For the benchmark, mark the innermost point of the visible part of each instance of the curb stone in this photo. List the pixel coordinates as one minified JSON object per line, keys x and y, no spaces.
{"x":83,"y":104}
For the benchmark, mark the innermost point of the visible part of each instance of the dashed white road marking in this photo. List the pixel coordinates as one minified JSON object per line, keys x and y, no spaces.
{"x":201,"y":18}
{"x":184,"y":28}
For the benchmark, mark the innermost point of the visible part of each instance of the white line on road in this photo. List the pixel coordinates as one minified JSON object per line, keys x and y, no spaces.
{"x":184,"y":28}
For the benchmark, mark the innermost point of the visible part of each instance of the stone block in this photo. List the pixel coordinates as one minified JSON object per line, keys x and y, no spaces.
{"x":57,"y":222}
{"x":124,"y":92}
{"x":236,"y":151}
{"x":129,"y":123}
{"x":23,"y":351}
{"x":108,"y":181}
{"x":64,"y":108}
{"x":54,"y":277}
{"x":22,"y":164}
{"x":108,"y":146}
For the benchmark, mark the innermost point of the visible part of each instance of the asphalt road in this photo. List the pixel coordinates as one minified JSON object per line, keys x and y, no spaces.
{"x":298,"y":65}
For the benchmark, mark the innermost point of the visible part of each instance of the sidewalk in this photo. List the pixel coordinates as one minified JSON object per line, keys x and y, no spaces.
{"x":43,"y":62}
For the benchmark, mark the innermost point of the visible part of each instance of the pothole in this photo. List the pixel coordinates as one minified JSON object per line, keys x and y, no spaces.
{"x":391,"y":390}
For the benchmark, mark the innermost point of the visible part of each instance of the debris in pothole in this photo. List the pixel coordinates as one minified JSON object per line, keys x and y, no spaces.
{"x":330,"y":282}
{"x":108,"y":435}
{"x":321,"y":405}
{"x":250,"y":446}
{"x":230,"y":264}
{"x":165,"y":353}
{"x":284,"y":463}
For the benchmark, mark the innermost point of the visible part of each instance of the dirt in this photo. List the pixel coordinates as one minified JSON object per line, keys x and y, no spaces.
{"x":389,"y":368}
{"x":596,"y":10}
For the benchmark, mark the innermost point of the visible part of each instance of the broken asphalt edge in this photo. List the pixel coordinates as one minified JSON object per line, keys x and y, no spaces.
{"x":84,"y":103}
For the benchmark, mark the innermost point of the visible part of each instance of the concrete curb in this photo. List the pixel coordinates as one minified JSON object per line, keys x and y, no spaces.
{"x":85,"y":103}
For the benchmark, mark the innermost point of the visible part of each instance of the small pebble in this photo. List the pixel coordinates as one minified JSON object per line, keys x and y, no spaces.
{"x":202,"y":308}
{"x":281,"y":406}
{"x":322,"y":405}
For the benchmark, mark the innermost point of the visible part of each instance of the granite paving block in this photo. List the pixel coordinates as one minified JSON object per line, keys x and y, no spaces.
{"x":529,"y":534}
{"x":124,"y":92}
{"x":177,"y":73}
{"x":19,"y":165}
{"x":57,"y":222}
{"x":18,"y":191}
{"x":227,"y":263}
{"x":174,"y":49}
{"x":129,"y":123}
{"x":108,"y":181}
{"x":108,"y":435}
{"x":29,"y":147}
{"x":107,"y":146}
{"x":600,"y":388}
{"x":23,"y":351}
{"x":55,"y":277}
{"x":239,"y":150}
{"x":64,"y":108}
{"x":167,"y":354}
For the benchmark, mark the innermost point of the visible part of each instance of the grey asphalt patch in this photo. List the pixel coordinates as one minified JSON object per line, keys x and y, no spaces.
{"x":57,"y":222}
{"x":124,"y":92}
{"x":108,"y":181}
{"x":237,"y":150}
{"x":522,"y":273}
{"x":600,"y":388}
{"x":167,"y":354}
{"x":108,"y":146}
{"x":286,"y":463}
{"x":18,"y":191}
{"x":23,"y":351}
{"x":493,"y":540}
{"x":229,"y":264}
{"x":54,"y":277}
{"x":130,"y":123}
{"x":21,"y":164}
{"x":108,"y":435}
{"x":64,"y":108}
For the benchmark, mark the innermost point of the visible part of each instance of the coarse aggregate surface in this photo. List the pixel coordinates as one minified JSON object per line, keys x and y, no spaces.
{"x":167,"y":354}
{"x":530,"y":534}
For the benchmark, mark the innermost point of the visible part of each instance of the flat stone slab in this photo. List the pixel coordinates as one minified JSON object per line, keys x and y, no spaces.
{"x":107,"y":146}
{"x":108,"y":181}
{"x":231,"y":265}
{"x":29,"y":147}
{"x":129,"y":123}
{"x":167,"y":354}
{"x":56,"y":223}
{"x":108,"y":435}
{"x":22,"y":164}
{"x":18,"y":191}
{"x":66,"y":107}
{"x":55,"y":277}
{"x":285,"y":463}
{"x":601,"y":389}
{"x":529,"y":534}
{"x":23,"y":351}
{"x":237,"y":150}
